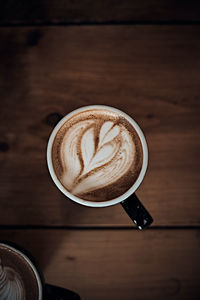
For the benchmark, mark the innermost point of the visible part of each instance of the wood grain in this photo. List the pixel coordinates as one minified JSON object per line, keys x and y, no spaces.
{"x":117,"y":264}
{"x":152,"y":73}
{"x":67,"y":11}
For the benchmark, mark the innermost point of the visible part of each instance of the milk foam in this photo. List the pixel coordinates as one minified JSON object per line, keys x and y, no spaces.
{"x":11,"y":284}
{"x":95,"y":154}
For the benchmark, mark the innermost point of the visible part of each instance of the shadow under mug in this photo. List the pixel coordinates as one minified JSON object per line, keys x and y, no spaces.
{"x":45,"y":291}
{"x":129,"y":201}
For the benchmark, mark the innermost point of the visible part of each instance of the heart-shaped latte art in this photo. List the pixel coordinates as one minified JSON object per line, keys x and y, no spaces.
{"x":95,"y":154}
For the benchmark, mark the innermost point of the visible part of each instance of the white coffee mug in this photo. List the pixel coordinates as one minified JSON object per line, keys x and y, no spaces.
{"x":14,"y":283}
{"x":130,"y":192}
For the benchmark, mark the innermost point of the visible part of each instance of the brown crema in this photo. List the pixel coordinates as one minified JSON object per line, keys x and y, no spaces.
{"x":97,"y":155}
{"x":16,"y":276}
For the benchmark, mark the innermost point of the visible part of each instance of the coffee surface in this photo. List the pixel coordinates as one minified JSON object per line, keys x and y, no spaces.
{"x":97,"y":155}
{"x":17,"y":279}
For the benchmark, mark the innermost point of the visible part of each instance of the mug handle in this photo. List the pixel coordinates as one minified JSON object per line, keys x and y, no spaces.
{"x":137,"y":212}
{"x":52,"y":292}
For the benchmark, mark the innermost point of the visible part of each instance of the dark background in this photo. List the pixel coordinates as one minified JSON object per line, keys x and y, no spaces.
{"x":142,"y":57}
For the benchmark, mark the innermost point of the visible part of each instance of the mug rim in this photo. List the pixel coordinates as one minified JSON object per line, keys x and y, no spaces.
{"x":29,"y":262}
{"x":118,"y":199}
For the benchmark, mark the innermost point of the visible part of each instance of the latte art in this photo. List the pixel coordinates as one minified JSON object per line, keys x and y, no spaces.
{"x":11,"y":284}
{"x":18,"y":278}
{"x":97,"y":155}
{"x":95,"y":158}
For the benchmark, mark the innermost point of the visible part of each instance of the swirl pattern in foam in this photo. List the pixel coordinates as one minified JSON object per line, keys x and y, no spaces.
{"x":18,"y":280}
{"x":11,"y":284}
{"x":97,"y":155}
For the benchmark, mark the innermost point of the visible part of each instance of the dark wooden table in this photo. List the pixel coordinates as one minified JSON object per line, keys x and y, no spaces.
{"x":143,"y":58}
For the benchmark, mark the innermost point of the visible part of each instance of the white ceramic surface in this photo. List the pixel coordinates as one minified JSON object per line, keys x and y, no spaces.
{"x":13,"y":289}
{"x":93,"y":203}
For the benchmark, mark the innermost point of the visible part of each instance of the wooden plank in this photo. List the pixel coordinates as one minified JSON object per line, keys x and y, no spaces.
{"x":152,"y":73}
{"x":117,"y":264}
{"x":66,"y":11}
